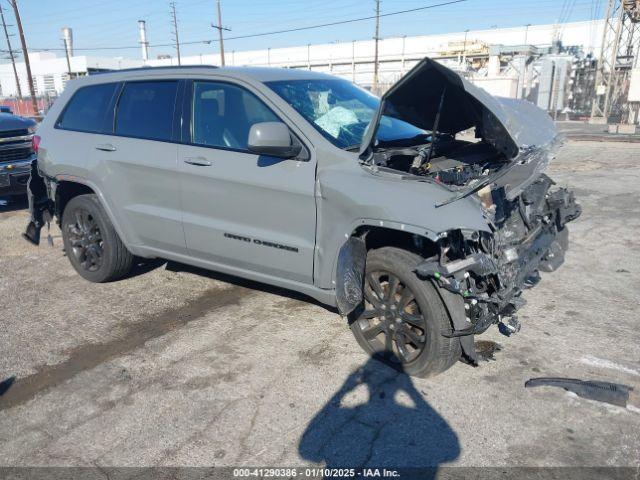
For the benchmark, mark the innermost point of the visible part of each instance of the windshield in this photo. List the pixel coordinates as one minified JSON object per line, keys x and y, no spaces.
{"x":340,"y":110}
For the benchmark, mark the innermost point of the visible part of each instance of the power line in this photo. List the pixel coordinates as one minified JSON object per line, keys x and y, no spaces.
{"x":275,"y":32}
{"x":342,"y":22}
{"x":567,"y":17}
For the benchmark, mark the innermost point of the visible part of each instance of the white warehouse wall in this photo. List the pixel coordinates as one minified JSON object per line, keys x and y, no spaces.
{"x":45,"y":66}
{"x":351,"y":60}
{"x":354,"y":60}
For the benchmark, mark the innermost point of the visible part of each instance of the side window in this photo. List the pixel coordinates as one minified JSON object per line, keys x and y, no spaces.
{"x":145,"y":109}
{"x":87,"y":109}
{"x":222,"y":114}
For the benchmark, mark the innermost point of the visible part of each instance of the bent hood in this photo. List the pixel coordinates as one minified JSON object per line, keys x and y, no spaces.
{"x":509,"y":125}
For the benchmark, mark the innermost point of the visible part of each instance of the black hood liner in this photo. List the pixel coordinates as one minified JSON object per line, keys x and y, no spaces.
{"x":507,"y":124}
{"x":417,"y":98}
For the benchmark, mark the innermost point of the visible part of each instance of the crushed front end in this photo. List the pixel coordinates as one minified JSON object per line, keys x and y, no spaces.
{"x":481,"y":274}
{"x":489,"y":271}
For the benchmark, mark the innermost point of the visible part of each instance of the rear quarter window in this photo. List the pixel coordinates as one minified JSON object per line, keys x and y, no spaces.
{"x":145,"y":110}
{"x":88,"y":109}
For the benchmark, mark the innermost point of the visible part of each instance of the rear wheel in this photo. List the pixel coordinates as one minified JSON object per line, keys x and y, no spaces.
{"x":91,"y":243}
{"x":402,"y":316}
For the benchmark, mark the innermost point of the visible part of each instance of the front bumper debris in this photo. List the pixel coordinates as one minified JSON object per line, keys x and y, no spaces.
{"x":488,"y":280}
{"x":40,"y":205}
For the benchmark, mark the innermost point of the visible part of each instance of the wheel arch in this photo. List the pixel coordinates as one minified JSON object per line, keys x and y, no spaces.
{"x":350,"y":261}
{"x":376,"y":236}
{"x":65,"y":190}
{"x":351,"y":264}
{"x":66,"y":187}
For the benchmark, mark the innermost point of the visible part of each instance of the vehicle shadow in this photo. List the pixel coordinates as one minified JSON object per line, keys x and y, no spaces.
{"x":144,"y":265}
{"x":242,"y":282}
{"x":13,"y":204}
{"x":378,"y":419}
{"x":6,"y":384}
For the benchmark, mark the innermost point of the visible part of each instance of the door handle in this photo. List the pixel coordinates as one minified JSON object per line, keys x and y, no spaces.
{"x":106,"y":147}
{"x":199,"y":161}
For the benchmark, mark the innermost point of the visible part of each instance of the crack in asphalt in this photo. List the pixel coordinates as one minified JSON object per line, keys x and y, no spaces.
{"x":137,"y":334}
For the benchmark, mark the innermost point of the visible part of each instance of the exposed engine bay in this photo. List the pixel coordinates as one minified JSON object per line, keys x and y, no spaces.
{"x":449,"y":161}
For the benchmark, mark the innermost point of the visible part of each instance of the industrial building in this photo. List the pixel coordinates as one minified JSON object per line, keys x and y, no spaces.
{"x":50,"y":72}
{"x":554,"y":66}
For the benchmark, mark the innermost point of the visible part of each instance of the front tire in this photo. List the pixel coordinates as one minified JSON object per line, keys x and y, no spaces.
{"x":91,"y":243}
{"x":402,"y":316}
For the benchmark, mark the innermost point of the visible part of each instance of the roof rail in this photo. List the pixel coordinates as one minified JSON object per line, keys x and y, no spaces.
{"x":148,"y":67}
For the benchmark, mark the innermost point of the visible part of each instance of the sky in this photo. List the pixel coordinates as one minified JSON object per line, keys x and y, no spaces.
{"x":113,"y":23}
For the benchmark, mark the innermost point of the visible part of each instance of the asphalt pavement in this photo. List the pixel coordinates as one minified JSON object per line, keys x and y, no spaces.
{"x":176,"y":366}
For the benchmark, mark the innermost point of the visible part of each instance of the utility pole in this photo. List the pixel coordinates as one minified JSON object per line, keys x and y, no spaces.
{"x":526,"y":33}
{"x":220,"y":28}
{"x":175,"y":30}
{"x":13,"y":59}
{"x":66,"y":52}
{"x":25,"y":54}
{"x":464,"y":48}
{"x":142,"y":32}
{"x":375,"y":54}
{"x":65,"y":41}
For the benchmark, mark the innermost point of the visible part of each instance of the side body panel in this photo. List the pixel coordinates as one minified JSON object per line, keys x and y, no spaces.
{"x":274,"y":201}
{"x":352,"y":195}
{"x":245,"y":210}
{"x":135,"y":179}
{"x":249,"y":211}
{"x":139,"y":181}
{"x":63,"y":152}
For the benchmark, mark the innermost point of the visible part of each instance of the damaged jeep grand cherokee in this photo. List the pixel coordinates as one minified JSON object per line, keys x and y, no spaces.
{"x":421,"y":237}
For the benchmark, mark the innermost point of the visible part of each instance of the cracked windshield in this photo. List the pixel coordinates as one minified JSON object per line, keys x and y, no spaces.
{"x":340,"y":111}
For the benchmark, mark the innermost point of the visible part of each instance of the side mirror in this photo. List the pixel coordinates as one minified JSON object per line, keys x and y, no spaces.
{"x":273,"y":139}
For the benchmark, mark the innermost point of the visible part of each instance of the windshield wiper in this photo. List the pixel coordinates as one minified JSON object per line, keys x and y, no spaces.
{"x":352,"y":147}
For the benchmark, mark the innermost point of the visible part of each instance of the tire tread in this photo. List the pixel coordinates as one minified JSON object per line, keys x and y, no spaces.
{"x":120,"y":261}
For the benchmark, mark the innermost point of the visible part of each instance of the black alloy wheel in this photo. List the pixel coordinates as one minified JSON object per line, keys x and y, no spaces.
{"x":86,"y":240}
{"x":392,"y":321}
{"x":402,"y":317}
{"x":91,"y":242}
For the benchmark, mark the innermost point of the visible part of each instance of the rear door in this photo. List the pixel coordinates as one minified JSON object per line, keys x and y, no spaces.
{"x":251,"y":212}
{"x":136,"y":165}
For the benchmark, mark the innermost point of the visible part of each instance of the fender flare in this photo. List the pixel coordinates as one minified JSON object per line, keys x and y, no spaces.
{"x":350,"y":269}
{"x":349,"y":289}
{"x":327,"y":279}
{"x":350,"y":260}
{"x":115,"y":221}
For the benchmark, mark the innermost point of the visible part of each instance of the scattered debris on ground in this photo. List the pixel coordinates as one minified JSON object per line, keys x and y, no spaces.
{"x":607,"y":392}
{"x":486,"y":348}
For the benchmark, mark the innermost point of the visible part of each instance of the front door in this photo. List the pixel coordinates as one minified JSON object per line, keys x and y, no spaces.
{"x":249,"y":212}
